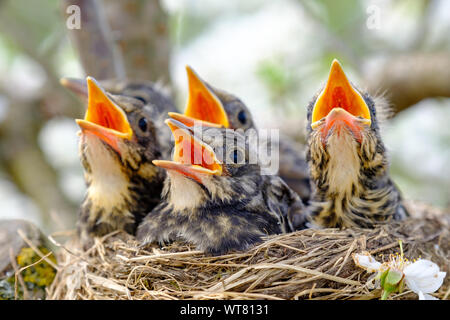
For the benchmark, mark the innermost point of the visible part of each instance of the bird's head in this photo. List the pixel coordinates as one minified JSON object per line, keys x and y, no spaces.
{"x":212,"y":163}
{"x":118,"y":141}
{"x":117,"y":145}
{"x":212,"y":106}
{"x":117,"y":127}
{"x":145,"y":104}
{"x":343,"y":131}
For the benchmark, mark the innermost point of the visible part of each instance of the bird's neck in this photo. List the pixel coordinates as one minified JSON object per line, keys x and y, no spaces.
{"x":343,"y":168}
{"x":351,"y":184}
{"x":209,"y":192}
{"x":117,"y":194}
{"x":108,"y":199}
{"x":183,"y":194}
{"x":346,"y":167}
{"x":108,"y":184}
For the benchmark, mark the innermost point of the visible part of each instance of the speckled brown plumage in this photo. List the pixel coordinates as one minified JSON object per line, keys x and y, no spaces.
{"x":293,"y":167}
{"x":231,"y":211}
{"x":123,"y":185}
{"x":350,"y":173}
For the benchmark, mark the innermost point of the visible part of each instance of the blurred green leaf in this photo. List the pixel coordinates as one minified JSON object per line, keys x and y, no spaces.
{"x":277,"y":78}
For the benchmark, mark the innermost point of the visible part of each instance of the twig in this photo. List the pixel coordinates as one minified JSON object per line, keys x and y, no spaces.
{"x":17,"y":273}
{"x":22,"y":283}
{"x":388,"y":246}
{"x":35,"y":249}
{"x":307,"y":271}
{"x":346,"y":256}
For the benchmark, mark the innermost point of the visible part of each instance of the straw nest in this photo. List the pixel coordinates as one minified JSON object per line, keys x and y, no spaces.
{"x":308,"y":264}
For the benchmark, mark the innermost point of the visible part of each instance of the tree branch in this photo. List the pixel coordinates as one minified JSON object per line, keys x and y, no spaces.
{"x":96,"y":49}
{"x":410,"y":78}
{"x":26,"y":165}
{"x":140,"y":31}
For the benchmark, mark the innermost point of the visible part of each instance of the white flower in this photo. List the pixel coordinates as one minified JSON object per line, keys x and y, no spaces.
{"x":366,"y":261}
{"x":421,"y":276}
{"x":424,"y":296}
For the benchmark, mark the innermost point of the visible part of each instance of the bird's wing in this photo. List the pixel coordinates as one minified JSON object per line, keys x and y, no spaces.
{"x":294,"y":167}
{"x":283,"y":201}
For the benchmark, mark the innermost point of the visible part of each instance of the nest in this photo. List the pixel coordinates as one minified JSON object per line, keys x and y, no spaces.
{"x":308,"y":264}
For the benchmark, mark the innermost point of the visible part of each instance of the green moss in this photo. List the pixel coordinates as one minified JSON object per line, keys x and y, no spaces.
{"x":36,"y":278}
{"x":41,"y":274}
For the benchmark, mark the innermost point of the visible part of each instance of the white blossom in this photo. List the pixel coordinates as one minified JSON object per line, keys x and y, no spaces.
{"x":422,"y":276}
{"x":366,"y":261}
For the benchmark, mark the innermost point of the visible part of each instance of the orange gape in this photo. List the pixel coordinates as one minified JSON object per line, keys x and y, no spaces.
{"x":106,"y":117}
{"x":103,"y":118}
{"x":339,"y":104}
{"x":102,"y":111}
{"x":202,"y":103}
{"x":340,"y":99}
{"x":339,"y":93}
{"x":202,"y":110}
{"x":191,"y":157}
{"x":189,"y":150}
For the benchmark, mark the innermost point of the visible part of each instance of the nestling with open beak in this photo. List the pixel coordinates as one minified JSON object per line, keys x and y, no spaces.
{"x":347,"y":159}
{"x":119,"y":139}
{"x":154,"y":99}
{"x":214,"y":195}
{"x":217,"y":107}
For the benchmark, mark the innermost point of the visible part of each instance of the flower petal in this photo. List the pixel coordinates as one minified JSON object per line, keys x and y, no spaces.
{"x":424,"y":296}
{"x":422,"y":267}
{"x":366,"y":261}
{"x":423,"y":275}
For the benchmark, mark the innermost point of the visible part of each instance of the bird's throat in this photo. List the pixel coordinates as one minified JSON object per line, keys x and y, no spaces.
{"x":178,"y":196}
{"x":344,"y":166}
{"x":108,"y":184}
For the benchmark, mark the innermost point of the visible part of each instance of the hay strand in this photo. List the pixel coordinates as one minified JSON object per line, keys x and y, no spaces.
{"x":308,"y":264}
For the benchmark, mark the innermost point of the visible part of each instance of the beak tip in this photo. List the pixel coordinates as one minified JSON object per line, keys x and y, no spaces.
{"x":172,"y":124}
{"x":91,"y":82}
{"x":335,"y":61}
{"x":81,"y":123}
{"x":175,"y":124}
{"x":336,"y":69}
{"x":192,"y":75}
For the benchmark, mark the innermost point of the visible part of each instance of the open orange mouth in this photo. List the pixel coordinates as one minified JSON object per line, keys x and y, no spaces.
{"x":202,"y":103}
{"x":192,"y":157}
{"x":103,"y":117}
{"x":340,"y":103}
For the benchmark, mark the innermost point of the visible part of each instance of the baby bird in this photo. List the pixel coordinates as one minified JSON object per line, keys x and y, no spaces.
{"x":153,"y":98}
{"x":216,"y":107}
{"x":119,"y":140}
{"x":214,"y":195}
{"x":347,"y":159}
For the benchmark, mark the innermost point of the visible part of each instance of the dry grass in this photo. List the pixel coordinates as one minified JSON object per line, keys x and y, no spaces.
{"x":309,"y":264}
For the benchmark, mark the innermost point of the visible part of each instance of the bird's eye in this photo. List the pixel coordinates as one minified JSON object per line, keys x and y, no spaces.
{"x":143,"y":124}
{"x":237,"y":156}
{"x":140,"y":99}
{"x":242,"y":117}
